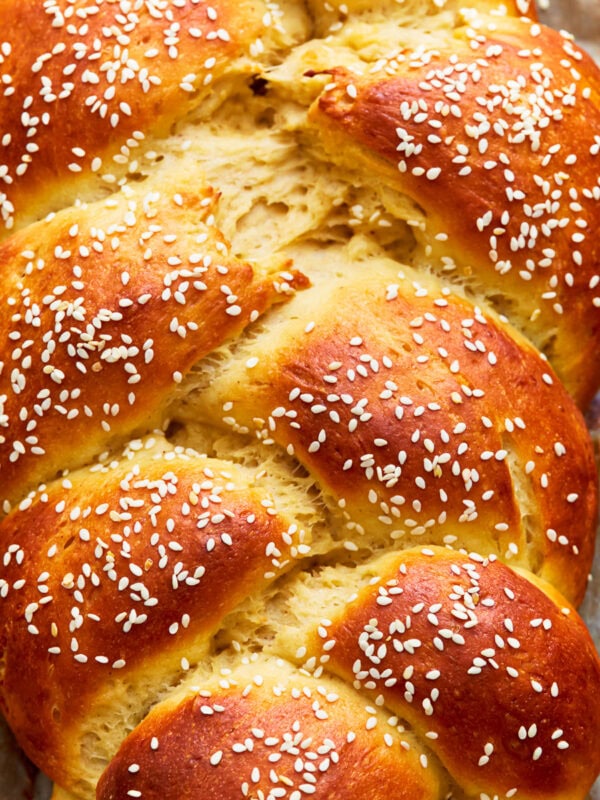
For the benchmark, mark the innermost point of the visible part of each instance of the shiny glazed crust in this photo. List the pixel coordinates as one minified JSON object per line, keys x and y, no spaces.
{"x":313,"y":736}
{"x":299,"y":315}
{"x":464,"y":632}
{"x":488,"y":125}
{"x":81,"y":296}
{"x":397,"y":410}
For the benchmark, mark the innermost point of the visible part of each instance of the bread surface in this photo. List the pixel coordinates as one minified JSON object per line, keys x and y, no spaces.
{"x":300,"y":316}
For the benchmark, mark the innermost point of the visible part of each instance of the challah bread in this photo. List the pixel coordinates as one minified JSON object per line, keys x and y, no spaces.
{"x":297,"y":494}
{"x":451,"y":630}
{"x":87,"y":88}
{"x":80,"y":291}
{"x":470,"y":117}
{"x":423,"y":631}
{"x":268,"y":730}
{"x":222,"y":536}
{"x":387,"y":408}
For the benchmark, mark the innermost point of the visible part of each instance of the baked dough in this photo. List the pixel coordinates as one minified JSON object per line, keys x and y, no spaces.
{"x":300,"y":314}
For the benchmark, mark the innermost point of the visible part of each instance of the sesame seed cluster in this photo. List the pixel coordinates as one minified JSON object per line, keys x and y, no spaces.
{"x":300,"y":316}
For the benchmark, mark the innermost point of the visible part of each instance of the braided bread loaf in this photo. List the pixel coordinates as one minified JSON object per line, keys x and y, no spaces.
{"x":301,"y":310}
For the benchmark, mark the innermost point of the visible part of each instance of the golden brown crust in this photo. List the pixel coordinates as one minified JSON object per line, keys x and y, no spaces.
{"x":404,"y":411}
{"x":87,"y":85}
{"x":439,"y":631}
{"x":143,"y":563}
{"x":289,"y":738}
{"x":104,"y":311}
{"x":492,"y":134}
